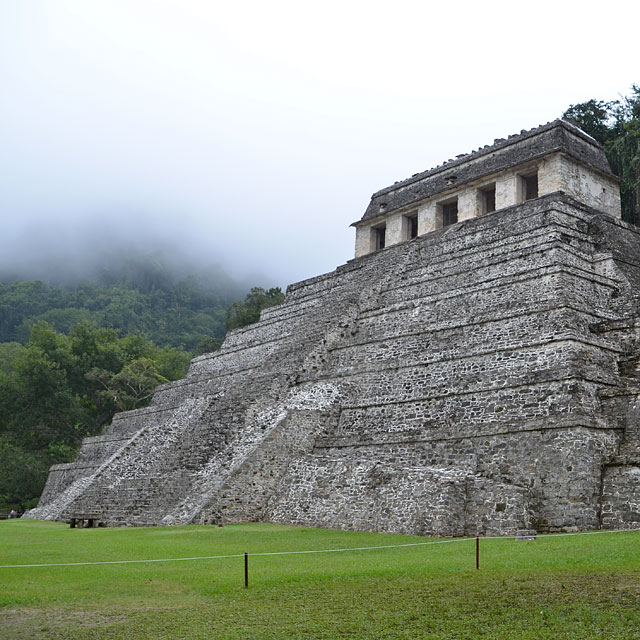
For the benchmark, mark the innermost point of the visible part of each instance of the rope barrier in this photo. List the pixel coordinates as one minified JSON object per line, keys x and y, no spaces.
{"x":308,"y":551}
{"x":236,"y":555}
{"x":82,"y":564}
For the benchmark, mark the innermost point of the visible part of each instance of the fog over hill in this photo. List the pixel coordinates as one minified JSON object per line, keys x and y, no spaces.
{"x":112,"y":250}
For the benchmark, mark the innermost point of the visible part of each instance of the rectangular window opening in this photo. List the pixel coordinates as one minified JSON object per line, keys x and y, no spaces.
{"x":412,"y":227}
{"x":380,"y":237}
{"x":449,"y":213}
{"x":488,"y":199}
{"x":529,"y":186}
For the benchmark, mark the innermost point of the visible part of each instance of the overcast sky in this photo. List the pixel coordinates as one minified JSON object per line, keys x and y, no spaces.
{"x":253,"y":133}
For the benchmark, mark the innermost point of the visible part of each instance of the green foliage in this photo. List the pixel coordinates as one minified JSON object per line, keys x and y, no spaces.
{"x":207,"y":344}
{"x":616,"y":125}
{"x":10,"y":352}
{"x":59,"y":388}
{"x":22,"y":473}
{"x":144,"y":293}
{"x":595,"y":117}
{"x":241,"y":314}
{"x":171,"y":363}
{"x":130,"y":388}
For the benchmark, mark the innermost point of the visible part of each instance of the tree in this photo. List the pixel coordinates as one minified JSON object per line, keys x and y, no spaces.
{"x":207,"y":344}
{"x":144,"y":293}
{"x":10,"y":352}
{"x":616,"y":125}
{"x":171,"y":363}
{"x":241,"y":314}
{"x":57,"y":389}
{"x":624,"y":155}
{"x":132,"y":387}
{"x":44,"y":406}
{"x":23,"y":474}
{"x":595,"y":117}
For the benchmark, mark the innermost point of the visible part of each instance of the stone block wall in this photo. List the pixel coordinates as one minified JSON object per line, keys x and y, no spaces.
{"x":621,"y":496}
{"x":561,"y":157}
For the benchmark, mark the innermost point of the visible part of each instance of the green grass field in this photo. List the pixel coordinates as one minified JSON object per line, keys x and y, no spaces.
{"x":583,"y":586}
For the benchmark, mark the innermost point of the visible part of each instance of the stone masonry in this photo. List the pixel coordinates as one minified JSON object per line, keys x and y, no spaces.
{"x":474,"y":370}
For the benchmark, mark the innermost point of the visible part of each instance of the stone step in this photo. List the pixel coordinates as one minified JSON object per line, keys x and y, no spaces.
{"x":363,"y":351}
{"x":459,"y":273}
{"x":464,"y":411}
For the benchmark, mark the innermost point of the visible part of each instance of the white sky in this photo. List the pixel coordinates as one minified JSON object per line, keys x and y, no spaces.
{"x":253,"y":133}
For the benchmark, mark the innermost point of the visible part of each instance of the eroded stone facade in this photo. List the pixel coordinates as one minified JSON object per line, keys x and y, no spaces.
{"x":479,"y":378}
{"x":559,"y":156}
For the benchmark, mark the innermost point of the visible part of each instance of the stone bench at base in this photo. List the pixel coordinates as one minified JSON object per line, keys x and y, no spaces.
{"x":526,"y":534}
{"x":88,"y":520}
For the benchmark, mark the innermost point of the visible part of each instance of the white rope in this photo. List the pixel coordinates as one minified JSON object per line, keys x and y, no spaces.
{"x":81,"y":564}
{"x":307,"y":551}
{"x":386,"y":546}
{"x":558,"y":535}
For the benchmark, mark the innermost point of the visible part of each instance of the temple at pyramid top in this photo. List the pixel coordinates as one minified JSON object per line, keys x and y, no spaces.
{"x":555,"y":157}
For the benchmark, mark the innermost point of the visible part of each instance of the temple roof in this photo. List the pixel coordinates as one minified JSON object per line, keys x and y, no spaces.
{"x":556,"y":136}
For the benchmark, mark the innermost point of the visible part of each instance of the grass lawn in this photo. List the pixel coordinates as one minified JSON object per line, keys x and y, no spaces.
{"x":583,"y":586}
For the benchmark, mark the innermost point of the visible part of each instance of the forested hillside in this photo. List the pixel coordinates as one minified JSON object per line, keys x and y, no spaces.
{"x":142,"y":293}
{"x":72,"y":354}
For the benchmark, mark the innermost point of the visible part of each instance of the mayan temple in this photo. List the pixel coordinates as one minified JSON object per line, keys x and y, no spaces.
{"x":473,"y":370}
